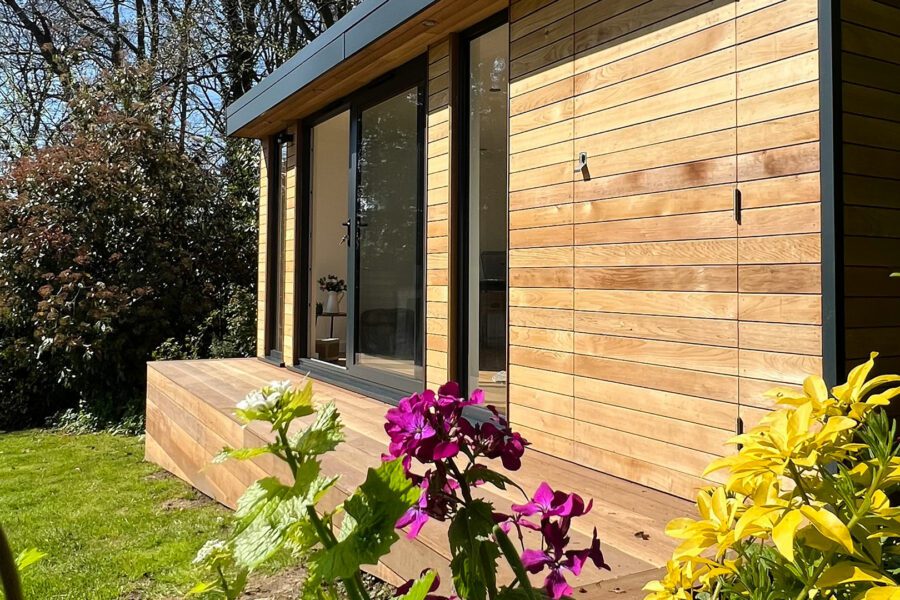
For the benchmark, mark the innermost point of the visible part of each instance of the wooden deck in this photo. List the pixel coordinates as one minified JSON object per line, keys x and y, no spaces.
{"x":189,"y":420}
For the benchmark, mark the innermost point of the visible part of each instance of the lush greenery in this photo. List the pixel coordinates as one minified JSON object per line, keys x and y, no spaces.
{"x":808,"y":508}
{"x":110,"y":524}
{"x":110,"y":244}
{"x":427,"y":431}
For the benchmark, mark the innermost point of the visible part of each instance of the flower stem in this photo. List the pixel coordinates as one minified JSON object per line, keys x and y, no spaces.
{"x":354,"y":585}
{"x":9,"y":575}
{"x":799,"y":481}
{"x":288,"y":453}
{"x":512,"y":557}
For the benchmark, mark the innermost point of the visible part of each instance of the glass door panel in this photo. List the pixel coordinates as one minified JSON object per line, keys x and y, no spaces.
{"x":388,"y":229}
{"x":486,"y":211}
{"x":329,"y":242}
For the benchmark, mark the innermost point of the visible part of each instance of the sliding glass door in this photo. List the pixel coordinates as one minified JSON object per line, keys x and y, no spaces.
{"x":364,"y":242}
{"x":389,"y":273}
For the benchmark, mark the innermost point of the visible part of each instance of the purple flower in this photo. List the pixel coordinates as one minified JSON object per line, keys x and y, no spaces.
{"x":408,"y":426}
{"x":507,"y":522}
{"x":558,"y":560}
{"x":550,"y":503}
{"x":494,"y":439}
{"x":416,"y":516}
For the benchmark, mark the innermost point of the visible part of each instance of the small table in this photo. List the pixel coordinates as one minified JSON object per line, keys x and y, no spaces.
{"x":331,"y":316}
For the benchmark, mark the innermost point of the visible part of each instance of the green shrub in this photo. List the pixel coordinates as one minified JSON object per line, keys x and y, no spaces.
{"x":109,"y":245}
{"x":228,"y":331}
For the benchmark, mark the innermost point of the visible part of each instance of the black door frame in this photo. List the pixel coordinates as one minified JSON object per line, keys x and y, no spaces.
{"x":462,"y":212}
{"x":276,"y":206}
{"x":373,"y":382}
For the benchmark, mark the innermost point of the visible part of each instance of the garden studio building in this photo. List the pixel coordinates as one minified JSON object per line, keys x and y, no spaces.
{"x":625,"y":220}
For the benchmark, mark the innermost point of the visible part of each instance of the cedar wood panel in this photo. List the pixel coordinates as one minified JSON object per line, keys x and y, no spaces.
{"x":644,"y":321}
{"x":871,"y":166}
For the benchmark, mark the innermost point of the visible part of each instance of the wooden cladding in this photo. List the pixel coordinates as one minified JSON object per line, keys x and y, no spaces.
{"x":262,"y":264}
{"x":438,"y":206}
{"x":268,"y":154}
{"x":870,"y":67}
{"x":644,"y":320}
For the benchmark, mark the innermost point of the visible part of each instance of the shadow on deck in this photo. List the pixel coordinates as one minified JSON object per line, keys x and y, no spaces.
{"x":189,"y":420}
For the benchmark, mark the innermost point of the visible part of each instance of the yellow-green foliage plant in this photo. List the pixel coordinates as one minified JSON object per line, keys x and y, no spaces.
{"x":808,"y":508}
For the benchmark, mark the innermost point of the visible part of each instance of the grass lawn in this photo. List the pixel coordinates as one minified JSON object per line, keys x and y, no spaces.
{"x":113,"y":526}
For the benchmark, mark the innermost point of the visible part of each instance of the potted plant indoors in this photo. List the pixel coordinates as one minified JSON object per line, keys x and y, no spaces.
{"x":334,"y":288}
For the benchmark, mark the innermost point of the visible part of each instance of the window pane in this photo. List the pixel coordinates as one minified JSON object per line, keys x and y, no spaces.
{"x":389,"y":218}
{"x":329,"y":187}
{"x":487,"y":213}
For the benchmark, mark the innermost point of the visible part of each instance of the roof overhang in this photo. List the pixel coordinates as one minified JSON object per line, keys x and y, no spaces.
{"x":372,"y":39}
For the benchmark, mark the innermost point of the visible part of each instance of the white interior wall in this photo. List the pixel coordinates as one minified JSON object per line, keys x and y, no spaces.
{"x":330,"y":180}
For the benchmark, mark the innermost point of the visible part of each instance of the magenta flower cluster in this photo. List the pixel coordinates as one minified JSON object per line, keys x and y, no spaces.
{"x":431,"y":429}
{"x":555,"y":511}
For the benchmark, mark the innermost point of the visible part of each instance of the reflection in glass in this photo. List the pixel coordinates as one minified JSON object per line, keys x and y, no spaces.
{"x":487,"y":213}
{"x":277,"y":247}
{"x":389,"y":218}
{"x":329,"y":186}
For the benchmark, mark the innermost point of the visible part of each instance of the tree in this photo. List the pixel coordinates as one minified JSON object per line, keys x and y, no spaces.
{"x":109,"y":245}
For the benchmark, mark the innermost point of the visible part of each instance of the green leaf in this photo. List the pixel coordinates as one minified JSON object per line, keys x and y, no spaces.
{"x":480,"y":473}
{"x":368,"y":530}
{"x":204,"y":587}
{"x":297,"y":403}
{"x":420,"y":588}
{"x":271,"y":514}
{"x":850,"y":572}
{"x":324,"y":435}
{"x":518,"y":593}
{"x":28,"y":557}
{"x":241,"y":453}
{"x":473,"y":551}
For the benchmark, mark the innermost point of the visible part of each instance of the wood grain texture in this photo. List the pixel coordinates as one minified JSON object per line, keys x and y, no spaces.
{"x":439,"y":206}
{"x":676,"y":104}
{"x":262,"y":264}
{"x":190,"y":418}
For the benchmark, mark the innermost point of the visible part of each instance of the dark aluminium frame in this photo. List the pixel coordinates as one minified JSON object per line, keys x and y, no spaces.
{"x":460,"y":250}
{"x":372,"y":382}
{"x":275,"y":231}
{"x":831,"y":140}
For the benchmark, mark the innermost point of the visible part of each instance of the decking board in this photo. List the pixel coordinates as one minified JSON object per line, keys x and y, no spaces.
{"x":189,"y":420}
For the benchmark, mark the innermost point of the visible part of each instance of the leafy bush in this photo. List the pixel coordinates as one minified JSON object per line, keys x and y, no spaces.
{"x":806,"y":511}
{"x":109,"y":245}
{"x":228,"y":331}
{"x":428,"y":430}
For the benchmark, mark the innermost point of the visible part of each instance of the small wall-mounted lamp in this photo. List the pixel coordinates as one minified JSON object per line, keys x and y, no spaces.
{"x":583,"y":166}
{"x":284,"y":138}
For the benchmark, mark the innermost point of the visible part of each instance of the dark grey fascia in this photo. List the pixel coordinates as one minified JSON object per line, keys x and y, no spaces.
{"x":357,"y":29}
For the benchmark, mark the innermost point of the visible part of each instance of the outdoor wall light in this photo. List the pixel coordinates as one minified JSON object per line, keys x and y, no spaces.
{"x":582,"y":162}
